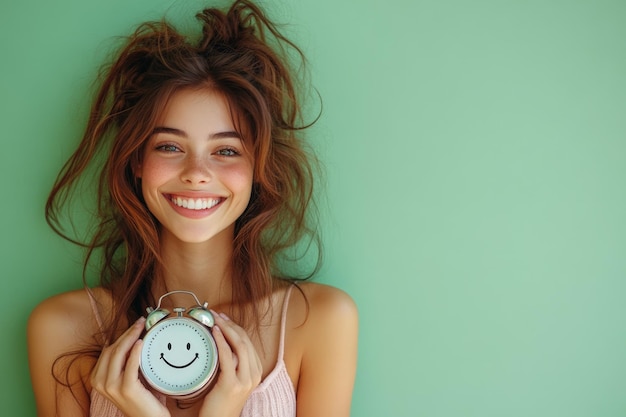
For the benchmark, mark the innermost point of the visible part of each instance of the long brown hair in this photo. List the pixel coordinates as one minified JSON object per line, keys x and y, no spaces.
{"x":242,"y":55}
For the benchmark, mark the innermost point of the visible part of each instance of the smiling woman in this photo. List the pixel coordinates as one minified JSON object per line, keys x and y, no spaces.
{"x":206,"y":181}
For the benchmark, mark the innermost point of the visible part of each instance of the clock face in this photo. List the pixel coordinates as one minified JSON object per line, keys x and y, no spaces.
{"x":179,"y":356}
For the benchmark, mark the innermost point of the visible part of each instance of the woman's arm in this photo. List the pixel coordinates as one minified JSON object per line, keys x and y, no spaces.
{"x":329,"y":357}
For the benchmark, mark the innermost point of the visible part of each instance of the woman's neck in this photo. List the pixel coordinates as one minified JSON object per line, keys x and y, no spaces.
{"x":203,"y":268}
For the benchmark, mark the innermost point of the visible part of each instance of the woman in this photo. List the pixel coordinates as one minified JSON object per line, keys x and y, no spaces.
{"x":205,"y":184}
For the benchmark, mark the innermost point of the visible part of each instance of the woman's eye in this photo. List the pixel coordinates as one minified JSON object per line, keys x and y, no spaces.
{"x":227,"y":152}
{"x":168,"y":148}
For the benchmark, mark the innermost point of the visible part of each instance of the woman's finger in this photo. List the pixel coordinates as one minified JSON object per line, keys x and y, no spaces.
{"x":131,"y":372}
{"x":121,"y":347}
{"x":224,"y":353}
{"x":243,"y":346}
{"x":111,"y":363}
{"x":247,"y":364}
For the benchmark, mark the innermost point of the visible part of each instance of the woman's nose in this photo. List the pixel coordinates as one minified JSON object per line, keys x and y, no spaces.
{"x":196,"y":171}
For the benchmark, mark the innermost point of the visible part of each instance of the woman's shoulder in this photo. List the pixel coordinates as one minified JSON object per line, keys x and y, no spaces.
{"x":321,"y":311}
{"x":325,"y":301}
{"x":68,"y":317}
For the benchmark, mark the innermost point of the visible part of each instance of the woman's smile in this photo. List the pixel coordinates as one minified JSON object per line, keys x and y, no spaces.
{"x":194,"y":208}
{"x":194,"y":203}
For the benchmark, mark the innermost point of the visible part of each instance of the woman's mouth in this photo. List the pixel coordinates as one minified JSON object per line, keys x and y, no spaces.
{"x":194,"y":203}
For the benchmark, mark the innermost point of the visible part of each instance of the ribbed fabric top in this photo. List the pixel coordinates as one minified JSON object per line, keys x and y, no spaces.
{"x":274,"y":397}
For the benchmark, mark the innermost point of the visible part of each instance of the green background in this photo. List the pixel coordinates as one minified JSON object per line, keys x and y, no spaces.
{"x":476,"y":200}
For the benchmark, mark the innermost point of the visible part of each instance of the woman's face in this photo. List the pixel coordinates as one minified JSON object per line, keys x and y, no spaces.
{"x":196,"y":174}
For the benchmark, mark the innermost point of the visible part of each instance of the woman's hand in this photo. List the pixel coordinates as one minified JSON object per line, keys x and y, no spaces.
{"x":240,"y":370}
{"x":116,"y":376}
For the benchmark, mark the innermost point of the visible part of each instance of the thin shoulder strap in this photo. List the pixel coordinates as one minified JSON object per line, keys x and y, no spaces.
{"x":94,"y":307}
{"x":283,"y":323}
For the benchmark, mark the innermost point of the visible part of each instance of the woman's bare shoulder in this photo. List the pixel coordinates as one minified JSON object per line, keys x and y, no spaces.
{"x":325,"y":302}
{"x":69,"y":317}
{"x":320,"y":311}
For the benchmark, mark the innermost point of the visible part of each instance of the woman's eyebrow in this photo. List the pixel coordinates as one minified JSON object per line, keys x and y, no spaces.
{"x":181,"y":133}
{"x":225,"y":135}
{"x":169,"y":130}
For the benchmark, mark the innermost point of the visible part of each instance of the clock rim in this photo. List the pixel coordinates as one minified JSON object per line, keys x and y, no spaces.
{"x":204,"y":382}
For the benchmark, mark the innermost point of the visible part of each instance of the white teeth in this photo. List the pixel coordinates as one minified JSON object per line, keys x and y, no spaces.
{"x":195,"y":204}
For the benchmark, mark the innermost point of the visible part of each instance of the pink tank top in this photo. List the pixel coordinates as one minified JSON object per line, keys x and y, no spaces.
{"x":274,"y":397}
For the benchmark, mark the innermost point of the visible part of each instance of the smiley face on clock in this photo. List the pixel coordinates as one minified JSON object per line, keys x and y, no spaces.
{"x":169,"y":348}
{"x":178,"y":357}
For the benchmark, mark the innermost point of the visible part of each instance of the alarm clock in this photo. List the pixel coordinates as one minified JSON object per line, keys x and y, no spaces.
{"x":179,"y":355}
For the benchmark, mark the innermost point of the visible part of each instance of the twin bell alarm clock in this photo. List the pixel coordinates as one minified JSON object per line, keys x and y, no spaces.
{"x":179,"y":355}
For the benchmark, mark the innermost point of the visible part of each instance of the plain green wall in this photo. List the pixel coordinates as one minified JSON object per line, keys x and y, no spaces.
{"x":476,"y":210}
